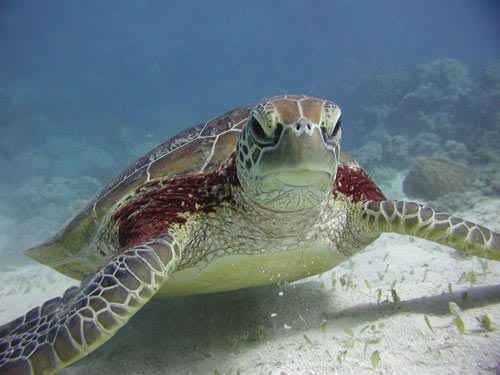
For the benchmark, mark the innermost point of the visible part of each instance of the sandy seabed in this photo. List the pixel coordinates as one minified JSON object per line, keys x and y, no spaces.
{"x":315,"y":326}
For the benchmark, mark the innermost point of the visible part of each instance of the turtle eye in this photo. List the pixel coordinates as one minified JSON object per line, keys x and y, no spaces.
{"x":337,"y":127}
{"x":330,"y":130}
{"x":330,"y":124}
{"x":260,"y":135}
{"x":257,"y":129}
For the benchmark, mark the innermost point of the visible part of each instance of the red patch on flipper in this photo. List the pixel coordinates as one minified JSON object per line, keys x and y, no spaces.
{"x":355,"y":182}
{"x":161,"y":203}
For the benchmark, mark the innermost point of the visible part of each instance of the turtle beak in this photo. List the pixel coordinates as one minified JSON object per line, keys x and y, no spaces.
{"x":301,"y":157}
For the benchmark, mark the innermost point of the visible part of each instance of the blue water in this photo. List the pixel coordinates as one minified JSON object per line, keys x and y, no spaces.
{"x":95,"y":62}
{"x":88,"y":87}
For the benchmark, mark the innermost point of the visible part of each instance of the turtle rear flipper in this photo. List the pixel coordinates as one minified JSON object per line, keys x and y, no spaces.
{"x":63,"y":330}
{"x":420,"y":221}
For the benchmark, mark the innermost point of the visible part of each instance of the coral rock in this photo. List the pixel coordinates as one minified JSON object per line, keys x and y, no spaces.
{"x":433,"y":177}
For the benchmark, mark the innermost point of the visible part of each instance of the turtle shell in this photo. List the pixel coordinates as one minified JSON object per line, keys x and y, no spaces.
{"x":89,"y":240}
{"x":84,"y":244}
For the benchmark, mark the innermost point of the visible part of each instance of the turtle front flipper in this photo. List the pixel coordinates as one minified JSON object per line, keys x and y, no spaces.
{"x":420,"y":221}
{"x":63,"y":330}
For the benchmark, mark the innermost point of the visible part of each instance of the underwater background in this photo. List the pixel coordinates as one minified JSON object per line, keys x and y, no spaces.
{"x":87,"y":87}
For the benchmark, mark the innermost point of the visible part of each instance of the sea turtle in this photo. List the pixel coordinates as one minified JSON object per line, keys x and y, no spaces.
{"x":257,"y":196}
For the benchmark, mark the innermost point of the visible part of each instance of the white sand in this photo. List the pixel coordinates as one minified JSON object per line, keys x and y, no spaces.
{"x":278,"y":330}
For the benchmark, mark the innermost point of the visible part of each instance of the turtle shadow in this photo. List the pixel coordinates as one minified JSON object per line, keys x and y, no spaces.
{"x":188,"y":334}
{"x":467,"y":298}
{"x":196,"y":334}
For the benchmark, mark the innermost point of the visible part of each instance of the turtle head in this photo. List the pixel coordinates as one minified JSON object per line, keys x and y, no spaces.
{"x":288,"y":152}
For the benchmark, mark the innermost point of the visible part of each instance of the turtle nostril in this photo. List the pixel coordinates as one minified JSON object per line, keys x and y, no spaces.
{"x":303,"y":125}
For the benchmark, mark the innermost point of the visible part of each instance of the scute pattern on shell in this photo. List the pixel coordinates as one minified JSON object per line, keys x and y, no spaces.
{"x":90,"y":239}
{"x":231,"y":121}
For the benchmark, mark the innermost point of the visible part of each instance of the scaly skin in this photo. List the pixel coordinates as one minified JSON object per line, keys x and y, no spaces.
{"x":63,"y":330}
{"x":413,"y":219}
{"x":292,"y":205}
